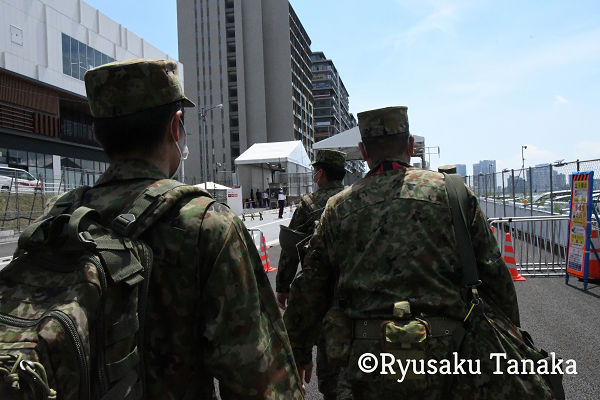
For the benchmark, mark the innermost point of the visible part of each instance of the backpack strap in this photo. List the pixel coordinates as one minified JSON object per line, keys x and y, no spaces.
{"x":307,"y":198}
{"x":35,"y":233}
{"x":68,"y":201}
{"x":151,"y":204}
{"x":458,"y":201}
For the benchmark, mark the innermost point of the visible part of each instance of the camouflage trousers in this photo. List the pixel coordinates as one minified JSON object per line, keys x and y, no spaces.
{"x":332,"y":382}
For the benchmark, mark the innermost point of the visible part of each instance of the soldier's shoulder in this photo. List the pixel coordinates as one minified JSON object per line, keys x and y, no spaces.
{"x":424,"y":177}
{"x":206,"y":214}
{"x":340,"y":197}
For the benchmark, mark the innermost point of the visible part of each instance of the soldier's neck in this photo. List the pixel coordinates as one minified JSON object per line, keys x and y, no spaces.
{"x":159,"y":162}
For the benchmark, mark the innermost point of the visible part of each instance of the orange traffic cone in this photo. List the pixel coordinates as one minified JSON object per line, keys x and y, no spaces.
{"x":264,"y":257}
{"x":509,"y":259}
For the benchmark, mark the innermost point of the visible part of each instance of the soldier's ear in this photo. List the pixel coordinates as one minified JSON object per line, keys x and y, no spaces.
{"x":174,"y":126}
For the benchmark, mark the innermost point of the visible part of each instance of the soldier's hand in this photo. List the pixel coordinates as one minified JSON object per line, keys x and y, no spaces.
{"x":282,"y":299}
{"x":305,"y":372}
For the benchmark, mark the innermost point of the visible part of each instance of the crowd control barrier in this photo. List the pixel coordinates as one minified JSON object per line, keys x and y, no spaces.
{"x":540,"y":243}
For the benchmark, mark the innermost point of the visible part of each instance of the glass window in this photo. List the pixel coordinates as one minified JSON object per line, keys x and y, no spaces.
{"x":82,"y":59}
{"x":40,"y":160}
{"x":17,"y":158}
{"x":104,"y":58}
{"x":31,"y":162}
{"x":74,"y":59}
{"x":97,"y":58}
{"x":66,"y":54}
{"x":87,"y":165}
{"x":89,"y":58}
{"x":3,"y":156}
{"x":25,"y":175}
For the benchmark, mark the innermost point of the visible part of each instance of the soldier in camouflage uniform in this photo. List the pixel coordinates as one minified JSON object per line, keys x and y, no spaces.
{"x":329,"y":170}
{"x":385,"y":252}
{"x":211,"y":310}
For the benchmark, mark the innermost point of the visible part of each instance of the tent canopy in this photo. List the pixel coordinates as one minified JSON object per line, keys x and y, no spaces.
{"x":347,"y":142}
{"x":212,"y":186}
{"x":276,"y":152}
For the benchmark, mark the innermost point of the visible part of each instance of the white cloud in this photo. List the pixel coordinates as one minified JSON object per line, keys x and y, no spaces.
{"x":442,"y":18}
{"x":558,"y":99}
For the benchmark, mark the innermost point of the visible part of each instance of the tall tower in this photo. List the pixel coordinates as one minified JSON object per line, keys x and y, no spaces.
{"x":253,"y":57}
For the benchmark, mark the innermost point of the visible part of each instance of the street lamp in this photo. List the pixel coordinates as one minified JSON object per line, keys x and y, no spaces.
{"x":203,"y":111}
{"x":523,"y":169}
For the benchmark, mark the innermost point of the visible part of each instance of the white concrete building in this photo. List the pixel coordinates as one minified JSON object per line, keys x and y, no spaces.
{"x":45,"y":48}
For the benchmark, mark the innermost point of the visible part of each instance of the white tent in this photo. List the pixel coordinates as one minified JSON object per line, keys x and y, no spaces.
{"x":274,"y":153}
{"x":212,"y":186}
{"x":264,"y":164}
{"x":347,"y":142}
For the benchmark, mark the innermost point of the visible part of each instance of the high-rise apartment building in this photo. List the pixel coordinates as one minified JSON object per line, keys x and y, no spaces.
{"x":484,"y":174}
{"x":330,"y":99}
{"x":253,"y":57}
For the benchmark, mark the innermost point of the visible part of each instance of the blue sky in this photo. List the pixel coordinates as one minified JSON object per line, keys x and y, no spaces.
{"x":480,"y":78}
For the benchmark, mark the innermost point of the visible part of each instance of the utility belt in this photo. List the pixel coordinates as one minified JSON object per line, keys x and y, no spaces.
{"x":374,"y":329}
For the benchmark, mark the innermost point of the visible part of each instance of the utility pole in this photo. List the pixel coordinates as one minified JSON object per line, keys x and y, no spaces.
{"x":203,"y":111}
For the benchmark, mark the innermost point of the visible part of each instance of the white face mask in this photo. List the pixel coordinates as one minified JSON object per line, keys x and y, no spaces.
{"x":183,"y":155}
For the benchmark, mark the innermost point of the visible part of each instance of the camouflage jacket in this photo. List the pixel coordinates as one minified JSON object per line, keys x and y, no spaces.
{"x":388,"y":238}
{"x":211,"y":310}
{"x":307,"y":213}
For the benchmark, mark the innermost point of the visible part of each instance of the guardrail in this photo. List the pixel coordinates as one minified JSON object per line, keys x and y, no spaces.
{"x":540,"y":243}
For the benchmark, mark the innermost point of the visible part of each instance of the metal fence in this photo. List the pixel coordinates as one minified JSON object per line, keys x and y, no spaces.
{"x":531,"y":191}
{"x":294,"y":183}
{"x":19,"y":205}
{"x":539,"y":243}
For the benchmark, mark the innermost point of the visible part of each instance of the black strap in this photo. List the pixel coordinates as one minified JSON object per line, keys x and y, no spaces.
{"x":122,"y":329}
{"x":129,"y":384}
{"x":458,"y":201}
{"x":119,"y":369}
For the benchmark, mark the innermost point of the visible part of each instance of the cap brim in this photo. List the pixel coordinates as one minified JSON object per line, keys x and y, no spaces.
{"x":187,"y":102}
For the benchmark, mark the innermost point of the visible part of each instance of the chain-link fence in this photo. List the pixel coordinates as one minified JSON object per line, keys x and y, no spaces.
{"x":22,"y":202}
{"x":540,"y":190}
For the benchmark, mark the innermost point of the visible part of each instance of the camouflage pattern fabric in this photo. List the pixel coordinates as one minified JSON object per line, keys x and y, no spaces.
{"x":383,"y":122}
{"x":125,"y":87}
{"x":330,"y":157}
{"x":211,"y":310}
{"x":390,"y":238}
{"x":304,"y":218}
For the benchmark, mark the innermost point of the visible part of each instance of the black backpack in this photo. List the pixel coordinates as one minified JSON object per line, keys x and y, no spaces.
{"x":73,"y":300}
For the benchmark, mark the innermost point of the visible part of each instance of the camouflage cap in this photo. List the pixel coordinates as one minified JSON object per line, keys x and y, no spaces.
{"x":449,"y":169}
{"x":126,"y":87}
{"x":330,"y":157}
{"x":383,"y":122}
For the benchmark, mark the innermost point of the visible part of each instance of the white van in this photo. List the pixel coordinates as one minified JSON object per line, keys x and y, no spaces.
{"x":25,"y":181}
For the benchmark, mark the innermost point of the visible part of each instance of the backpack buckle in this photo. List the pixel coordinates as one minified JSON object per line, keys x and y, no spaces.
{"x":121,"y":223}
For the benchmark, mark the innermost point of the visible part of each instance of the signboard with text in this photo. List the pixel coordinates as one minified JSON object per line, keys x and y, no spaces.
{"x":580,"y":228}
